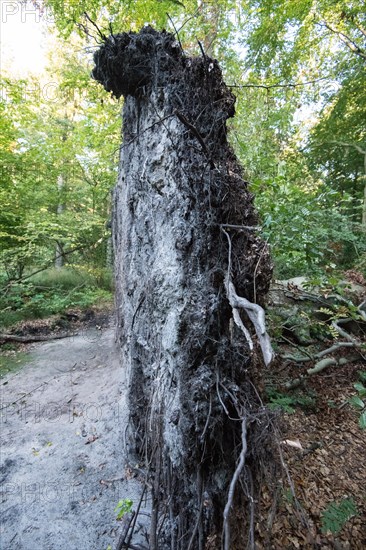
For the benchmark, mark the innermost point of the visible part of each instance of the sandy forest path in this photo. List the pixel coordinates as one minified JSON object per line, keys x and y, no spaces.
{"x":61,"y":446}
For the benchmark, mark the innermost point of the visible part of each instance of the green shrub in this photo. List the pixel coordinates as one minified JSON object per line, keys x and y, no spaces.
{"x":308,"y":230}
{"x":288,"y":403}
{"x":359,"y":401}
{"x":66,"y":278}
{"x":52,"y":292}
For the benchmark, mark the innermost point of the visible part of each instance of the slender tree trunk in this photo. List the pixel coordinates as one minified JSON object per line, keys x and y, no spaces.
{"x":212,"y":17}
{"x":59,"y":255}
{"x":362,"y":152}
{"x":109,"y":249}
{"x":187,"y":258}
{"x":364,"y":192}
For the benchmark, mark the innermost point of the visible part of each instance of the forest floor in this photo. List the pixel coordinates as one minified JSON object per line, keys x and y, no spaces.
{"x":62,"y":455}
{"x":320,"y":488}
{"x":62,"y":451}
{"x":324,"y":452}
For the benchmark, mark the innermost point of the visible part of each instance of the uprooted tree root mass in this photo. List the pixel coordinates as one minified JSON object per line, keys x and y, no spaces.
{"x":191,"y":275}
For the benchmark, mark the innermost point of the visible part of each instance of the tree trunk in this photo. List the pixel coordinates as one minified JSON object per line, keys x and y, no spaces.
{"x":109,"y":246}
{"x":364,"y":192}
{"x":185,"y":248}
{"x":59,"y":253}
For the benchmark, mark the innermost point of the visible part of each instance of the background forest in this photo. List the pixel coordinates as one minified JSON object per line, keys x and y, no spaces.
{"x":298,"y":71}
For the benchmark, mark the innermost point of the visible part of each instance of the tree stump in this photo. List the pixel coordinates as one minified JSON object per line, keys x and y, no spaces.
{"x":184,"y":230}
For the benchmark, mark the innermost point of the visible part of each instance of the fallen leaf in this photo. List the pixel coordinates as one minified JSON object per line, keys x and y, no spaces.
{"x":91,"y":439}
{"x":292,"y":443}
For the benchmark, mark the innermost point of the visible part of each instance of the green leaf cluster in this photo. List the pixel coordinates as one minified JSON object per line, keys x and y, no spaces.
{"x":336,"y":515}
{"x":308,"y":233}
{"x":123,"y":507}
{"x":288,"y":403}
{"x":359,"y":401}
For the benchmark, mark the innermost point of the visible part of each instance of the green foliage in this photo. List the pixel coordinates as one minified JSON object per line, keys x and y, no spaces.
{"x":66,"y":278}
{"x":304,"y":145}
{"x":325,"y":284}
{"x":359,"y":401}
{"x":123,"y":507}
{"x":336,"y":515}
{"x":48,"y":293}
{"x":307,"y":231}
{"x":288,"y":403}
{"x":360,"y":264}
{"x":12,"y":362}
{"x":58,"y":165}
{"x":284,"y":402}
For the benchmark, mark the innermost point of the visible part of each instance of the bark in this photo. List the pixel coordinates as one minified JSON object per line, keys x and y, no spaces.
{"x":59,"y":253}
{"x":187,"y":361}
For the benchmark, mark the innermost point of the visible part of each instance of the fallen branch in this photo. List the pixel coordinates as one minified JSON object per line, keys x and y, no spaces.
{"x":320,"y":366}
{"x":299,"y":294}
{"x":319,"y":355}
{"x":34,"y":338}
{"x":342,"y":332}
{"x":350,"y":343}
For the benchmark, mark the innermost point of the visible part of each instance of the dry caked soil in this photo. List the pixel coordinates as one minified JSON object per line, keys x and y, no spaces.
{"x":63,"y":418}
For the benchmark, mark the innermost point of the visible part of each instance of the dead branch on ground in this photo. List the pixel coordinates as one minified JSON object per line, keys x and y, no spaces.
{"x":34,"y":338}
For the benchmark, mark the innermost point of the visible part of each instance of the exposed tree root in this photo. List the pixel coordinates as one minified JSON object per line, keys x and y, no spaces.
{"x":188,"y":367}
{"x":320,"y":366}
{"x":256,"y":315}
{"x":254,"y":311}
{"x":235,"y":478}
